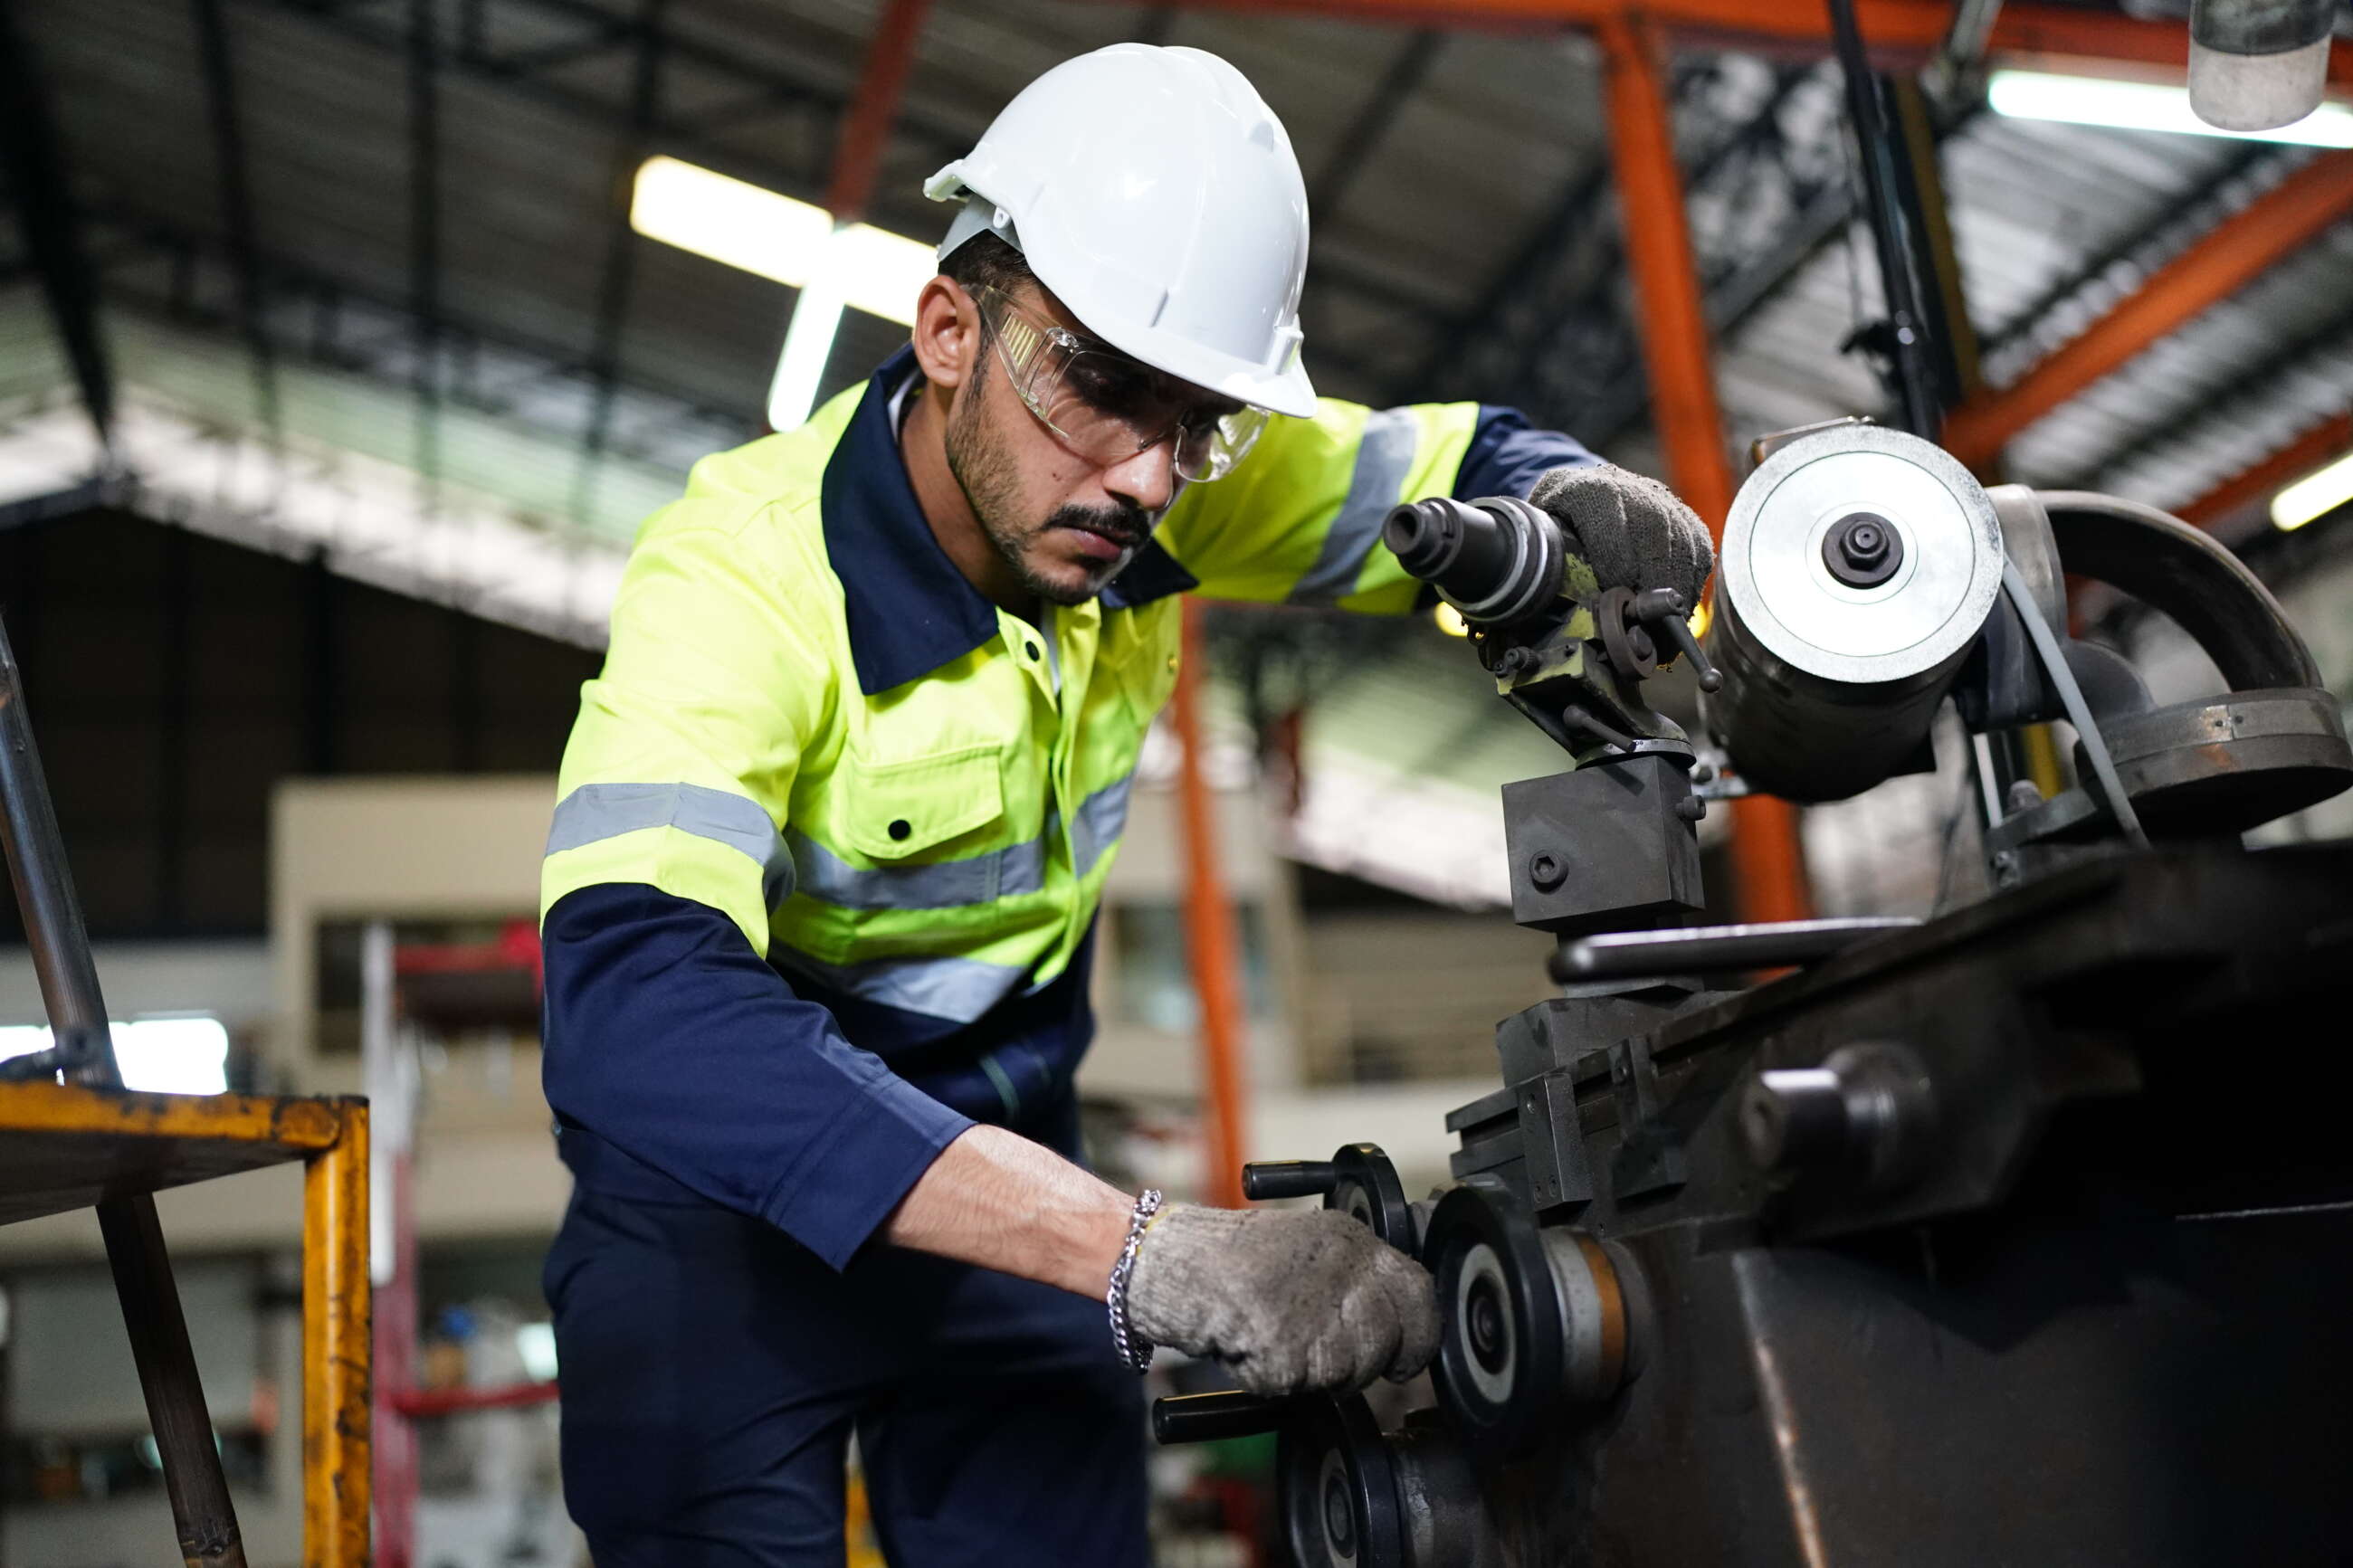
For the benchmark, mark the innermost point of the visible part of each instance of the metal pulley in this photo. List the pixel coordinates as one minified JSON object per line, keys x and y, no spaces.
{"x":1352,"y":1496}
{"x":1349,"y":1494}
{"x":1859,"y":565}
{"x":1533,"y":1322}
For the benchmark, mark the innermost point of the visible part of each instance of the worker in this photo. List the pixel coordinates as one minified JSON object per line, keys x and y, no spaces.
{"x":831,"y":832}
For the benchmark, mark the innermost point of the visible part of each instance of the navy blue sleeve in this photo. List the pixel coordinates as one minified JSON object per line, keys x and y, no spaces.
{"x":1507,"y":453}
{"x":670,"y":1039}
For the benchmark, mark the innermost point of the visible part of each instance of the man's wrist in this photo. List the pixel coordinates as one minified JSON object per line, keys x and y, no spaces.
{"x":1097,"y":1242}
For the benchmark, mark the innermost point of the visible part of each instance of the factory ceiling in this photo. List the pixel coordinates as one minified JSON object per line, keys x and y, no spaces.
{"x":359,"y":276}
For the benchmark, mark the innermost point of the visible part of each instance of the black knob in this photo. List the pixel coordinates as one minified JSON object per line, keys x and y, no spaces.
{"x":1263,"y":1179}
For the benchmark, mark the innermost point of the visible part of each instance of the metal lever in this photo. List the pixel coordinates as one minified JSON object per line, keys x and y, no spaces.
{"x":1206,"y":1417}
{"x":1265,"y":1179}
{"x":1664,"y":610}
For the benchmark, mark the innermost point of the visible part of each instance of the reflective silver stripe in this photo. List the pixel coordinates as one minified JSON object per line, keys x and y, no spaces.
{"x":957,"y":989}
{"x":597,"y":812}
{"x":1102,"y":817}
{"x":942,"y":885}
{"x":1383,"y":459}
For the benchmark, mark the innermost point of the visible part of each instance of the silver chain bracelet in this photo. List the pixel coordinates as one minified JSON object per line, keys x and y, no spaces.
{"x":1134,"y":1351}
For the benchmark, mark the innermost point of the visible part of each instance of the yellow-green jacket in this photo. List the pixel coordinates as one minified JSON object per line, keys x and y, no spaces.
{"x":827,"y":807}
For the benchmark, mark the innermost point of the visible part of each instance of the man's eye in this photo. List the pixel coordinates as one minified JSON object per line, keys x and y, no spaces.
{"x":1108,"y":388}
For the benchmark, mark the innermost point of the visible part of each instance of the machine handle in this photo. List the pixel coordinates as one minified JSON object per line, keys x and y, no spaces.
{"x":1206,"y":1417}
{"x":1664,"y":612}
{"x":1265,"y":1179}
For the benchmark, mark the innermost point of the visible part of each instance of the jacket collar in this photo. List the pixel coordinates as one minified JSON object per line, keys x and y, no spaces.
{"x":908,"y":609}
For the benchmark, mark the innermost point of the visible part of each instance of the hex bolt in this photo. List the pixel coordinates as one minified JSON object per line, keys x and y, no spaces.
{"x":1862,"y":550}
{"x":1546,"y":871}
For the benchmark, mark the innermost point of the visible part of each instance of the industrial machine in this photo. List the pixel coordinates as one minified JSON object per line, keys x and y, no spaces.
{"x":2021,"y":1233}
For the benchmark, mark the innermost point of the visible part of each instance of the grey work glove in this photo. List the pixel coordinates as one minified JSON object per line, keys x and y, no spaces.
{"x":1295,"y":1300}
{"x":1633,"y":532}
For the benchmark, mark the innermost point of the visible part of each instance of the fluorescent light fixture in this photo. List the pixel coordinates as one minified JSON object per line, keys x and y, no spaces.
{"x":183,"y":1055}
{"x":790,"y":242}
{"x":2313,"y":495}
{"x":2144,"y":106}
{"x":808,"y":345}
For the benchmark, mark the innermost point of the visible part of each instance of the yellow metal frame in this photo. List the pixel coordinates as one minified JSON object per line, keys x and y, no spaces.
{"x":113,"y":1143}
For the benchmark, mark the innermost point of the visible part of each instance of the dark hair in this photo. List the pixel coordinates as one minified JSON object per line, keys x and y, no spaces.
{"x":985,"y":261}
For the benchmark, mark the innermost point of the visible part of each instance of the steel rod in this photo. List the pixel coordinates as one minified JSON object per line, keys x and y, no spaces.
{"x":1701,"y":950}
{"x":82,"y":1050}
{"x":1907,"y":348}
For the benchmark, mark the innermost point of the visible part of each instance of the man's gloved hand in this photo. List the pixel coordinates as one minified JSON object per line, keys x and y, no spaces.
{"x":1633,"y":532}
{"x":1293,"y":1299}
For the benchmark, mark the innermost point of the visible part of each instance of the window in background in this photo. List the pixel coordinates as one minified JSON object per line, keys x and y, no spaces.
{"x":161,"y":1053}
{"x":1155,"y":983}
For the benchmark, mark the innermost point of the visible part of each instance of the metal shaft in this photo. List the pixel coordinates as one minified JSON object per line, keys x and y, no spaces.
{"x":44,"y":894}
{"x":1915,"y":378}
{"x":84,"y":1051}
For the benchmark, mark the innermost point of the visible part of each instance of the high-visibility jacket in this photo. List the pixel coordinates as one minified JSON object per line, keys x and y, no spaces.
{"x":884,"y":807}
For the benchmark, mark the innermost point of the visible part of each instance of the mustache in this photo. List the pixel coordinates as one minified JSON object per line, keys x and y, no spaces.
{"x":1125,"y":525}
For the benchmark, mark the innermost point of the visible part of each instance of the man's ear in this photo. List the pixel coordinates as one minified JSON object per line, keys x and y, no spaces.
{"x":946,"y":332}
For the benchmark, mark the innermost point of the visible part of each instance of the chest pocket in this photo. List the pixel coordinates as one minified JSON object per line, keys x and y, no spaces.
{"x":926,"y":824}
{"x":1144,"y":651}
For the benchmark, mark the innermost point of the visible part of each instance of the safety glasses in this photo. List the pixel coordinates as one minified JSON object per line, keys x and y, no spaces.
{"x":1104,"y":405}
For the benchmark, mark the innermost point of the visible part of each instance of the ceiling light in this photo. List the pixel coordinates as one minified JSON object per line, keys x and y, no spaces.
{"x":2313,"y":495}
{"x":788,"y":241}
{"x":808,"y":348}
{"x":2144,"y":106}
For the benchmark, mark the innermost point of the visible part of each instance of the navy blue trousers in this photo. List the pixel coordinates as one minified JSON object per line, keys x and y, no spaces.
{"x":713,"y":1370}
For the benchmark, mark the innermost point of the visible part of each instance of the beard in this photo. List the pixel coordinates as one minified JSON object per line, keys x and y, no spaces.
{"x":990,"y":478}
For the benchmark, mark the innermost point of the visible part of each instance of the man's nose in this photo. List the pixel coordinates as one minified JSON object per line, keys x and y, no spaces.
{"x":1147,"y":481}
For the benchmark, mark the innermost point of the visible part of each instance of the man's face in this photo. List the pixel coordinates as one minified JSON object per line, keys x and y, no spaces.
{"x":1065,"y":522}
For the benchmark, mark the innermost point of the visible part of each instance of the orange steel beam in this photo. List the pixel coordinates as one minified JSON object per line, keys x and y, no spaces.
{"x":2330,"y":438}
{"x":866,"y":123}
{"x":1768,"y":871}
{"x":2300,"y":207}
{"x":1209,"y":936}
{"x":1902,"y":32}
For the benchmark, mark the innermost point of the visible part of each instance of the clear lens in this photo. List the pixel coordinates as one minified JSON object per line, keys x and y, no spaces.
{"x":1105,"y":407}
{"x":1209,"y":450}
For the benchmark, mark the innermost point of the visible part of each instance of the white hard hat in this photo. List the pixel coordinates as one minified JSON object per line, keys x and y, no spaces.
{"x":1157,"y":194}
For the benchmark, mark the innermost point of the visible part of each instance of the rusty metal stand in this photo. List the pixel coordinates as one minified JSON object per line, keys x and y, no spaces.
{"x":116,"y":1153}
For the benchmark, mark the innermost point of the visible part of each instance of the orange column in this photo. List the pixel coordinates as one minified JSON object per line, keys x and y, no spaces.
{"x":1209,"y":937}
{"x":1768,"y":871}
